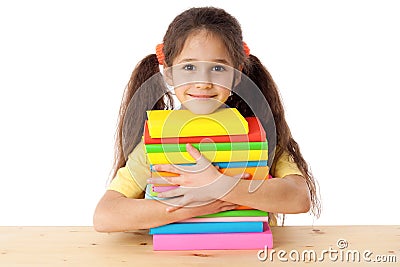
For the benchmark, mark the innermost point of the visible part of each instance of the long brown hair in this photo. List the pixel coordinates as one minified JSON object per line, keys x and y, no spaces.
{"x":222,"y":24}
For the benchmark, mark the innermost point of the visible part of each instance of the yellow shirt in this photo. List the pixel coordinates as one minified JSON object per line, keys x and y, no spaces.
{"x":131,"y":179}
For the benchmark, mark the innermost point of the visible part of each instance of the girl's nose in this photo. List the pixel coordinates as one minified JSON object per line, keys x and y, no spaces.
{"x":203,"y":85}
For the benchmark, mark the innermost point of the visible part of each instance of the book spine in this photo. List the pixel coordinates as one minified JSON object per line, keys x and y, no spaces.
{"x":208,"y":228}
{"x":212,"y":156}
{"x":150,"y":194}
{"x":232,"y":241}
{"x":159,"y":148}
{"x":257,"y":173}
{"x":236,"y":213}
{"x":224,"y":165}
{"x":164,"y":188}
{"x":238,"y":164}
{"x":226,"y":219}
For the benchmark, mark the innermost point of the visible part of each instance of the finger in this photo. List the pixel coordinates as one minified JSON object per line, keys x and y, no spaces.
{"x":183,"y":202}
{"x":174,"y":204}
{"x":193,"y":152}
{"x":172,"y":209}
{"x":243,"y":175}
{"x":167,"y":168}
{"x":172,"y":193}
{"x":200,"y":166}
{"x":229,"y":207}
{"x":202,"y":163}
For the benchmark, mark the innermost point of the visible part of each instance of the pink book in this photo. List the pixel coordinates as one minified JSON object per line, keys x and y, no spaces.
{"x":227,"y":219}
{"x":160,"y":189}
{"x":221,"y":241}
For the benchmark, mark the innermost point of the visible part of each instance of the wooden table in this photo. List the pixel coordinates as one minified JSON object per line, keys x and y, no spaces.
{"x":82,"y":246}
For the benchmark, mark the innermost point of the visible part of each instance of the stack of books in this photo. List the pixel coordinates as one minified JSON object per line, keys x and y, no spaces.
{"x":229,"y":141}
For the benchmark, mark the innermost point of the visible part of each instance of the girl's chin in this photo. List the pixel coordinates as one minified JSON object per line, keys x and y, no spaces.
{"x":202,"y":106}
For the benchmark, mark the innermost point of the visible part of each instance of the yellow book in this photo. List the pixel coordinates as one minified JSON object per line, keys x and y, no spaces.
{"x":183,"y":123}
{"x":257,"y":173}
{"x":212,"y":156}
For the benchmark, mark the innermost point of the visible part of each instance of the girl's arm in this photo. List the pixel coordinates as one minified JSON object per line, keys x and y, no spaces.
{"x":280,"y":195}
{"x":117,"y":213}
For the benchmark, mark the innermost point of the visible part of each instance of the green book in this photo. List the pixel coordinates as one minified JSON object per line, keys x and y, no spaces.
{"x":158,"y":148}
{"x":236,"y":213}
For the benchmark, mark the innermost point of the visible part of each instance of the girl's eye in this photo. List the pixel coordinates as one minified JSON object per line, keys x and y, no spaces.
{"x":189,"y":67}
{"x":218,"y":68}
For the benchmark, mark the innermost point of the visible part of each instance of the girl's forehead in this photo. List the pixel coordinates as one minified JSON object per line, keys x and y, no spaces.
{"x":203,"y":46}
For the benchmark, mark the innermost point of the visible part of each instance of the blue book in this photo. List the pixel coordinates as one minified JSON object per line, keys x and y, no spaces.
{"x":241,"y":164}
{"x":208,"y":228}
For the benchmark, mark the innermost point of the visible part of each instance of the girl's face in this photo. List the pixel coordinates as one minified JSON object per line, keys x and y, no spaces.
{"x":203,"y":73}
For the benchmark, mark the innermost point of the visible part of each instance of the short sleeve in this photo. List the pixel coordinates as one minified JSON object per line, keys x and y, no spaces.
{"x":284,"y":166}
{"x":131,"y":179}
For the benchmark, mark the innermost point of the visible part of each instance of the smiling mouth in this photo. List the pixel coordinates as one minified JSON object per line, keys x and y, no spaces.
{"x":201,"y":96}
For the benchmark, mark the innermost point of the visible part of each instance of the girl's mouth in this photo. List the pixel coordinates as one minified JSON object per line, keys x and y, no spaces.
{"x":201,"y":96}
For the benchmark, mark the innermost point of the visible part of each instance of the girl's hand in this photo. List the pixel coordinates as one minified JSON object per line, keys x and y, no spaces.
{"x":199,"y":184}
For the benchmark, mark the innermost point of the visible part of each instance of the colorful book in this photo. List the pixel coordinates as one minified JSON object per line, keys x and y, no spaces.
{"x":150,"y":194}
{"x":160,"y":148}
{"x":223,"y":165}
{"x":208,"y":228}
{"x":226,"y":219}
{"x":184,"y":123}
{"x":256,"y":134}
{"x":163,"y":188}
{"x":257,"y":173}
{"x":239,"y":164}
{"x":212,"y":156}
{"x":214,"y":241}
{"x":236,"y":213}
{"x":241,"y":207}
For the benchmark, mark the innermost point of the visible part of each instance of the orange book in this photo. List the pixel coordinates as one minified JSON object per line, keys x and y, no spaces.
{"x":257,"y":173}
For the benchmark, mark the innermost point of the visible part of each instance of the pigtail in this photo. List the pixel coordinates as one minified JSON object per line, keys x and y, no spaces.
{"x":257,"y":72}
{"x":141,"y":94}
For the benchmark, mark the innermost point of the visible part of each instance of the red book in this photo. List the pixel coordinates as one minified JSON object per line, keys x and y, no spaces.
{"x":256,"y":134}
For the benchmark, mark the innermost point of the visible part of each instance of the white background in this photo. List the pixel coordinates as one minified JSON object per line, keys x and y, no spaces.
{"x":64,"y":65}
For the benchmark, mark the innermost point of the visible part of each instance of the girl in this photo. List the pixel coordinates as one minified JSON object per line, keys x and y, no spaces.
{"x":199,"y":34}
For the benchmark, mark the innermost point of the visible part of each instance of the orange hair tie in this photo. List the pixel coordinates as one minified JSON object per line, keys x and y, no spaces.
{"x":160,"y":54}
{"x":246,"y":49}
